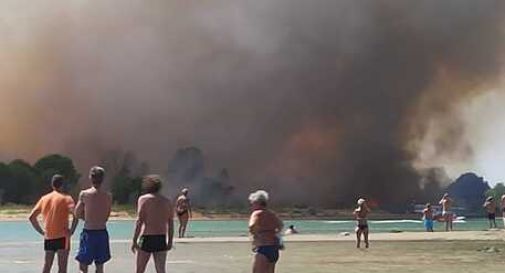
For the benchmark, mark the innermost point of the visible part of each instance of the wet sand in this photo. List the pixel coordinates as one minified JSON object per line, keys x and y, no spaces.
{"x":399,"y":252}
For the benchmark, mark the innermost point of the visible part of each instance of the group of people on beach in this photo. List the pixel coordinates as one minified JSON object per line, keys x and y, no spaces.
{"x":447,"y":215}
{"x":153,"y":230}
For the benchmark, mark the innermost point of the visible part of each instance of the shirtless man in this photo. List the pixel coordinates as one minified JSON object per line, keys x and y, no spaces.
{"x":490,"y":206}
{"x":94,"y":208}
{"x":361,"y":214}
{"x":264,"y":226}
{"x":446,"y":203}
{"x":55,"y":208}
{"x":155,"y":220}
{"x":183,"y":210}
{"x":428,"y":217}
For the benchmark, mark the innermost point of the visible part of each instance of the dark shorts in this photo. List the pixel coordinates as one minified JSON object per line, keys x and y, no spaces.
{"x":93,"y":247}
{"x":153,"y":243}
{"x":181,"y":213}
{"x":55,"y":244}
{"x":362,"y":227}
{"x":270,"y":252}
{"x":491,"y":216}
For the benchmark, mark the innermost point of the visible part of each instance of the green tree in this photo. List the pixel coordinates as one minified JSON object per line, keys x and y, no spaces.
{"x":124,"y":175}
{"x":125,"y":189}
{"x":497,"y":191}
{"x":53,"y":164}
{"x":25,"y":180}
{"x":6,"y":183}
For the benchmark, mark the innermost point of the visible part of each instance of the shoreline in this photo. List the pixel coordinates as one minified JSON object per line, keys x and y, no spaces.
{"x":21,"y":213}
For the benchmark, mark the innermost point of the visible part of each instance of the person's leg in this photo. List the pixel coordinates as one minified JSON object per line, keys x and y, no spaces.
{"x":184,"y":223}
{"x":62,"y":260}
{"x":83,"y":268}
{"x":99,"y":268}
{"x":142,"y":259}
{"x":271,"y":268}
{"x":180,"y":225}
{"x":358,"y":237}
{"x":260,"y":263}
{"x":48,"y":261}
{"x":160,"y":260}
{"x":450,"y":222}
{"x":365,"y":233}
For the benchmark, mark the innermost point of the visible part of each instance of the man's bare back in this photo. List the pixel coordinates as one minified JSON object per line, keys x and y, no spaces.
{"x":155,"y":211}
{"x":94,"y":208}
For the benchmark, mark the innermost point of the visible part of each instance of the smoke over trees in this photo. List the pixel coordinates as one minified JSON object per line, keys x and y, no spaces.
{"x":318,"y":101}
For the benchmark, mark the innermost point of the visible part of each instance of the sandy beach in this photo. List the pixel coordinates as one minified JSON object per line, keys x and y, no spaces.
{"x":472,"y":251}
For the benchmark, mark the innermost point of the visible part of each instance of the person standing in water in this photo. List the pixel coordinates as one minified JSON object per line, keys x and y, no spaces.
{"x":55,"y":208}
{"x":447,"y":213}
{"x":155,"y":220}
{"x":490,"y":206}
{"x":428,"y":218}
{"x":361,"y":214}
{"x":264,"y":227}
{"x":183,"y":211}
{"x":94,"y":207}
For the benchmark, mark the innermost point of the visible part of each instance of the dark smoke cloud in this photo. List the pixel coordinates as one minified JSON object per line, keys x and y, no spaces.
{"x":318,"y":101}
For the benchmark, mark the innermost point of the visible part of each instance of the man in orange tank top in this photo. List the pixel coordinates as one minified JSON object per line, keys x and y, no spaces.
{"x":55,"y":208}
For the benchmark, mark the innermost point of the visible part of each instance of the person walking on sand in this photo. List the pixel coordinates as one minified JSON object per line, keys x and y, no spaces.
{"x":183,"y":211}
{"x":428,"y":218}
{"x":490,"y":206}
{"x":55,"y":208}
{"x":447,"y":214}
{"x":155,"y":220}
{"x":264,"y":227}
{"x":94,"y":207}
{"x":361,"y":214}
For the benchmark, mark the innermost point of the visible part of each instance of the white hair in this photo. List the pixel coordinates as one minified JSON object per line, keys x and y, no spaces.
{"x":258,"y":196}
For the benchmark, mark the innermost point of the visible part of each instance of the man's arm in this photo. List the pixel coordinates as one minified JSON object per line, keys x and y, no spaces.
{"x":280,"y":224}
{"x":138,"y":226}
{"x":252,"y":222}
{"x":109,"y":207}
{"x":75,"y":220}
{"x":79,"y":208}
{"x":33,"y":219}
{"x":189,"y":209}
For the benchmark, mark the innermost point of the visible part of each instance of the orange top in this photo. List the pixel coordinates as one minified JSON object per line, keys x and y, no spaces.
{"x":55,"y":208}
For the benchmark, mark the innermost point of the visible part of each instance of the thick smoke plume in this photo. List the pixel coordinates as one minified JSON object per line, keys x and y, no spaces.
{"x":319,"y":101}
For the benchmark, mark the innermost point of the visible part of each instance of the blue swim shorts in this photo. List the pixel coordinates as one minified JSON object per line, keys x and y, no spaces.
{"x":93,"y":247}
{"x":428,"y":224}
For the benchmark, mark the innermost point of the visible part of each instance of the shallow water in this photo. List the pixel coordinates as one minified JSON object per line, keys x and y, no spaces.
{"x":16,"y":232}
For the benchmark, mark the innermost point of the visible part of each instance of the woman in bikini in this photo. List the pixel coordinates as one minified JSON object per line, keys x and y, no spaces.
{"x":183,"y":211}
{"x":264,"y":227}
{"x":361,"y":214}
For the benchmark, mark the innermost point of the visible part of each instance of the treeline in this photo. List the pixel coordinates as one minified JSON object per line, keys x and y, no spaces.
{"x":23,"y":183}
